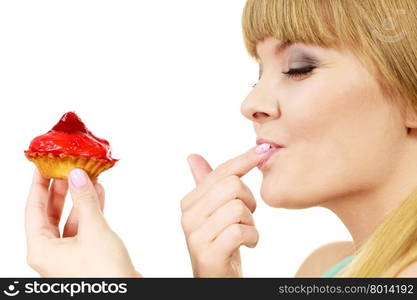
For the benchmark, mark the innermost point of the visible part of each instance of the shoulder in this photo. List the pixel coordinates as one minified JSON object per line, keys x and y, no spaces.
{"x":410,"y":271}
{"x":324,"y":257}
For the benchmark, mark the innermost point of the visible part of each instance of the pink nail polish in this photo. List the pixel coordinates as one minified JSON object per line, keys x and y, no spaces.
{"x":78,"y":178}
{"x":262,"y":148}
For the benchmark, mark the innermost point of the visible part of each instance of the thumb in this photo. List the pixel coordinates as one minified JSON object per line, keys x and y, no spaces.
{"x":200,"y":168}
{"x":85,"y":201}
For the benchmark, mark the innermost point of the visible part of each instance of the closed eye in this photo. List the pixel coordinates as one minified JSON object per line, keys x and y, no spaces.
{"x":296,"y":73}
{"x":299,"y":72}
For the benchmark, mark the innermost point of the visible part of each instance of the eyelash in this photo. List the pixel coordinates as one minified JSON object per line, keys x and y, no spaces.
{"x":295,"y":73}
{"x":299,"y":72}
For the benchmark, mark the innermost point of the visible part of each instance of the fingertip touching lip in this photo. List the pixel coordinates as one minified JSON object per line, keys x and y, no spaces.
{"x":260,"y":141}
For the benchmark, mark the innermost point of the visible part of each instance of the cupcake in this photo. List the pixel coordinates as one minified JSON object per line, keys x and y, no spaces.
{"x":69,"y":144}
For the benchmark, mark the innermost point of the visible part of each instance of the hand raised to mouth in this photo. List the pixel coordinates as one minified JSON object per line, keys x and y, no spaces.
{"x":217,"y":215}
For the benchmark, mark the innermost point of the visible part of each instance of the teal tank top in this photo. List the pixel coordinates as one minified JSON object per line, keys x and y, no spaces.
{"x":338,"y":267}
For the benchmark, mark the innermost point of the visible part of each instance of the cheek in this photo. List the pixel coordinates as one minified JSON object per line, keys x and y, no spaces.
{"x":340,"y":141}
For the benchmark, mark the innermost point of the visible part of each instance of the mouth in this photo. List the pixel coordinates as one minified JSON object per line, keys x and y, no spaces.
{"x":273,"y":148}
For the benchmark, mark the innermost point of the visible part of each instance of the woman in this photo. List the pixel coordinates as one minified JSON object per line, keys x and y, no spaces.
{"x":334,"y":112}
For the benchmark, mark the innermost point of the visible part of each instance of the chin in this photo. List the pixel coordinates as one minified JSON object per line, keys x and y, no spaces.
{"x":278,"y":194}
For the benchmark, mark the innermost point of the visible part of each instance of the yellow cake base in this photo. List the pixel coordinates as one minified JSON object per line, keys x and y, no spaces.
{"x":58,"y":166}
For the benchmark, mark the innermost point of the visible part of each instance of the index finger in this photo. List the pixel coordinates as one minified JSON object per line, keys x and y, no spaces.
{"x":36,"y":220}
{"x":238,"y":166}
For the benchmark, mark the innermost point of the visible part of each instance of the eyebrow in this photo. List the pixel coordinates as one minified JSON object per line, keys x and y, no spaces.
{"x":282,"y":46}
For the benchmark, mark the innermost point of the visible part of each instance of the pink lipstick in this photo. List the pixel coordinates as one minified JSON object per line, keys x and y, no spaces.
{"x":267,"y":148}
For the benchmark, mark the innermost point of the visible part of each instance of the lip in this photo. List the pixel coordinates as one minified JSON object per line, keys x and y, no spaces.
{"x":265,"y":141}
{"x":274,"y":148}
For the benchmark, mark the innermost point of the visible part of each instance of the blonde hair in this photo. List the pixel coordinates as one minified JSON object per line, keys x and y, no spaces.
{"x":389,"y":54}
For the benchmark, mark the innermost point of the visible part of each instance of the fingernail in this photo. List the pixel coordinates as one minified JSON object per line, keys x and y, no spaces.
{"x":78,"y":178}
{"x":262,"y":148}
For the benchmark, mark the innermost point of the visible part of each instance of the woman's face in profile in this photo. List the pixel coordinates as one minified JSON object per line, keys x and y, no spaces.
{"x":341,"y":136}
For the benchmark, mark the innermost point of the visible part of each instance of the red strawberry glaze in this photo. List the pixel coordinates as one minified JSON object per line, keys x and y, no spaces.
{"x":70,"y":136}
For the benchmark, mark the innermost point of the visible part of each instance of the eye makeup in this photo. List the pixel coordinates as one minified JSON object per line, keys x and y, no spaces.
{"x":260,"y":71}
{"x":300,"y":65}
{"x":299,"y":62}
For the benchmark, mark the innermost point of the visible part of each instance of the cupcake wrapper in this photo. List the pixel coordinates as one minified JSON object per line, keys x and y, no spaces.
{"x":58,"y":166}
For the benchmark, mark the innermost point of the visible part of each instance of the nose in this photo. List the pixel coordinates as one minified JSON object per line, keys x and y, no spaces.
{"x":260,"y":106}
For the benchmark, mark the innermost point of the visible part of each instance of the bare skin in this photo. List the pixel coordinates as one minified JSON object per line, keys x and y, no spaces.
{"x":87,"y":247}
{"x":345,"y":144}
{"x":346,"y":148}
{"x":324,"y":257}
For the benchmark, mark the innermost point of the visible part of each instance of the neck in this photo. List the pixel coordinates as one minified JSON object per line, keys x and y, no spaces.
{"x":362,"y":212}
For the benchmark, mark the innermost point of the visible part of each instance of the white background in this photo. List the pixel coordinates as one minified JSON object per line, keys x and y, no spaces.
{"x":159,"y":80}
